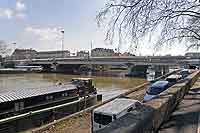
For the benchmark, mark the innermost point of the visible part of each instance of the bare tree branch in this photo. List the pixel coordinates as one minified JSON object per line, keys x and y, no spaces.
{"x":134,"y":19}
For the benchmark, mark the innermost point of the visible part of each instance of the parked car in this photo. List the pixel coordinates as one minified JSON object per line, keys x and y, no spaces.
{"x":185,"y":72}
{"x":155,"y":89}
{"x":112,"y":111}
{"x":174,"y":78}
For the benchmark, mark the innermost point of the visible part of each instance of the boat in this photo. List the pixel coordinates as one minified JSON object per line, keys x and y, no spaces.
{"x":21,"y":101}
{"x":84,"y":86}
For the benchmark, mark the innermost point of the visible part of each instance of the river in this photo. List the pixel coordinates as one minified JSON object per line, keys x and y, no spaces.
{"x":107,"y":86}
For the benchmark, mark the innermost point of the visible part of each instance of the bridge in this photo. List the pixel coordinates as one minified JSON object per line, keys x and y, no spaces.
{"x":137,"y":65}
{"x":114,"y":60}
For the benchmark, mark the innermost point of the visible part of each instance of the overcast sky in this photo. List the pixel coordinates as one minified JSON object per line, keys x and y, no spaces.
{"x":37,"y":24}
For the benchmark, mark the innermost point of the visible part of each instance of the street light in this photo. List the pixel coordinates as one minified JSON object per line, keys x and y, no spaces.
{"x":62,"y":31}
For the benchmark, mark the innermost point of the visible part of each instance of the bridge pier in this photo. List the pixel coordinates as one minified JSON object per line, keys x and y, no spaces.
{"x":137,"y":70}
{"x":165,"y":70}
{"x":161,"y":70}
{"x":46,"y":68}
{"x":70,"y":69}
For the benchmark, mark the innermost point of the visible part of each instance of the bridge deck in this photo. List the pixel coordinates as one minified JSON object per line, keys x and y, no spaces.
{"x":186,"y":118}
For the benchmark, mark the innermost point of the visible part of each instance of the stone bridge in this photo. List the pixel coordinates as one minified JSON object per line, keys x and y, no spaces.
{"x":114,"y":60}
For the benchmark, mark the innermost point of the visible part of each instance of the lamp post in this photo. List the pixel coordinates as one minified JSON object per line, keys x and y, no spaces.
{"x":14,"y":46}
{"x":62,"y":43}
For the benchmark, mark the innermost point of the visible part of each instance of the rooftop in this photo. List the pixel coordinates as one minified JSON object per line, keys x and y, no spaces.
{"x":82,"y":79}
{"x":59,"y":51}
{"x":27,"y":93}
{"x":116,"y":106}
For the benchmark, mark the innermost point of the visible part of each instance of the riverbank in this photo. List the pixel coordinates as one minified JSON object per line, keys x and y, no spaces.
{"x":81,"y":121}
{"x":12,"y":71}
{"x":17,"y":71}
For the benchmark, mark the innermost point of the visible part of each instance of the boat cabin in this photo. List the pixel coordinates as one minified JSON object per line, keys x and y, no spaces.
{"x":26,"y":100}
{"x":83,"y":81}
{"x":84,"y":86}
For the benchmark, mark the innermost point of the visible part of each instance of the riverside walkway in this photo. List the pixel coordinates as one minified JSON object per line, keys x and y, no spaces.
{"x":186,"y":118}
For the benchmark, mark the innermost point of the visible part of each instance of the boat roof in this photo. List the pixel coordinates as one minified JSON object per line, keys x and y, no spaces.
{"x":116,"y":106}
{"x":28,"y":66}
{"x":160,"y":84}
{"x":27,"y":93}
{"x":81,"y":78}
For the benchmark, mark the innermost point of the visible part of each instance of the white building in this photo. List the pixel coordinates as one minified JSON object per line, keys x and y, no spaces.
{"x":102,"y":52}
{"x":193,"y":54}
{"x":52,"y":54}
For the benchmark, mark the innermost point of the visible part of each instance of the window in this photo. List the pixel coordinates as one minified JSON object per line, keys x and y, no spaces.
{"x":156,"y":90}
{"x":130,"y":109}
{"x":102,"y":119}
{"x":49,"y":97}
{"x":114,"y":117}
{"x":65,"y":94}
{"x":171,"y":80}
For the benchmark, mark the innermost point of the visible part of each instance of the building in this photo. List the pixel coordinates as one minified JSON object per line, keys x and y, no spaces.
{"x":192,"y":54}
{"x":52,"y":54}
{"x":102,"y":52}
{"x":20,"y":54}
{"x":127,"y":54}
{"x":1,"y":58}
{"x":82,"y":54}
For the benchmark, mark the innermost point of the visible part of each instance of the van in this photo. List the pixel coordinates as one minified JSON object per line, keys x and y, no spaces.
{"x":112,"y":111}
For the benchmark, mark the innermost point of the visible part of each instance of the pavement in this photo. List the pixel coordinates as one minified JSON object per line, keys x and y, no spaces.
{"x":186,"y":117}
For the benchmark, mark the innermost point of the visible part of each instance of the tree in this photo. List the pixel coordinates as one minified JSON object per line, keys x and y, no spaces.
{"x":173,"y":20}
{"x":3,"y":48}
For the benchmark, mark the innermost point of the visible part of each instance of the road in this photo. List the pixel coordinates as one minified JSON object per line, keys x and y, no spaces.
{"x":186,"y":118}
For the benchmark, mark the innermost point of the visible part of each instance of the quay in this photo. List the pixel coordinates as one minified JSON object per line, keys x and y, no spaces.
{"x":81,"y":121}
{"x":12,"y":71}
{"x":153,"y":114}
{"x":20,"y":69}
{"x":186,"y":117}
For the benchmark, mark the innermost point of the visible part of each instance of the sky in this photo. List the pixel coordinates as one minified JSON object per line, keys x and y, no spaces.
{"x":37,"y":24}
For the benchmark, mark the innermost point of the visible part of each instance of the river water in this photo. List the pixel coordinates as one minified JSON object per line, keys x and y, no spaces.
{"x":108,"y":86}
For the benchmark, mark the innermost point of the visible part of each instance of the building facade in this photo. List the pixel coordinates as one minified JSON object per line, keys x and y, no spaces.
{"x":127,"y":54}
{"x":102,"y":52}
{"x":192,"y":54}
{"x":82,"y":54}
{"x":20,"y":54}
{"x":52,"y":54}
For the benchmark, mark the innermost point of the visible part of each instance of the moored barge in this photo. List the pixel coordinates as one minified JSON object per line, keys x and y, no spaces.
{"x":27,"y":100}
